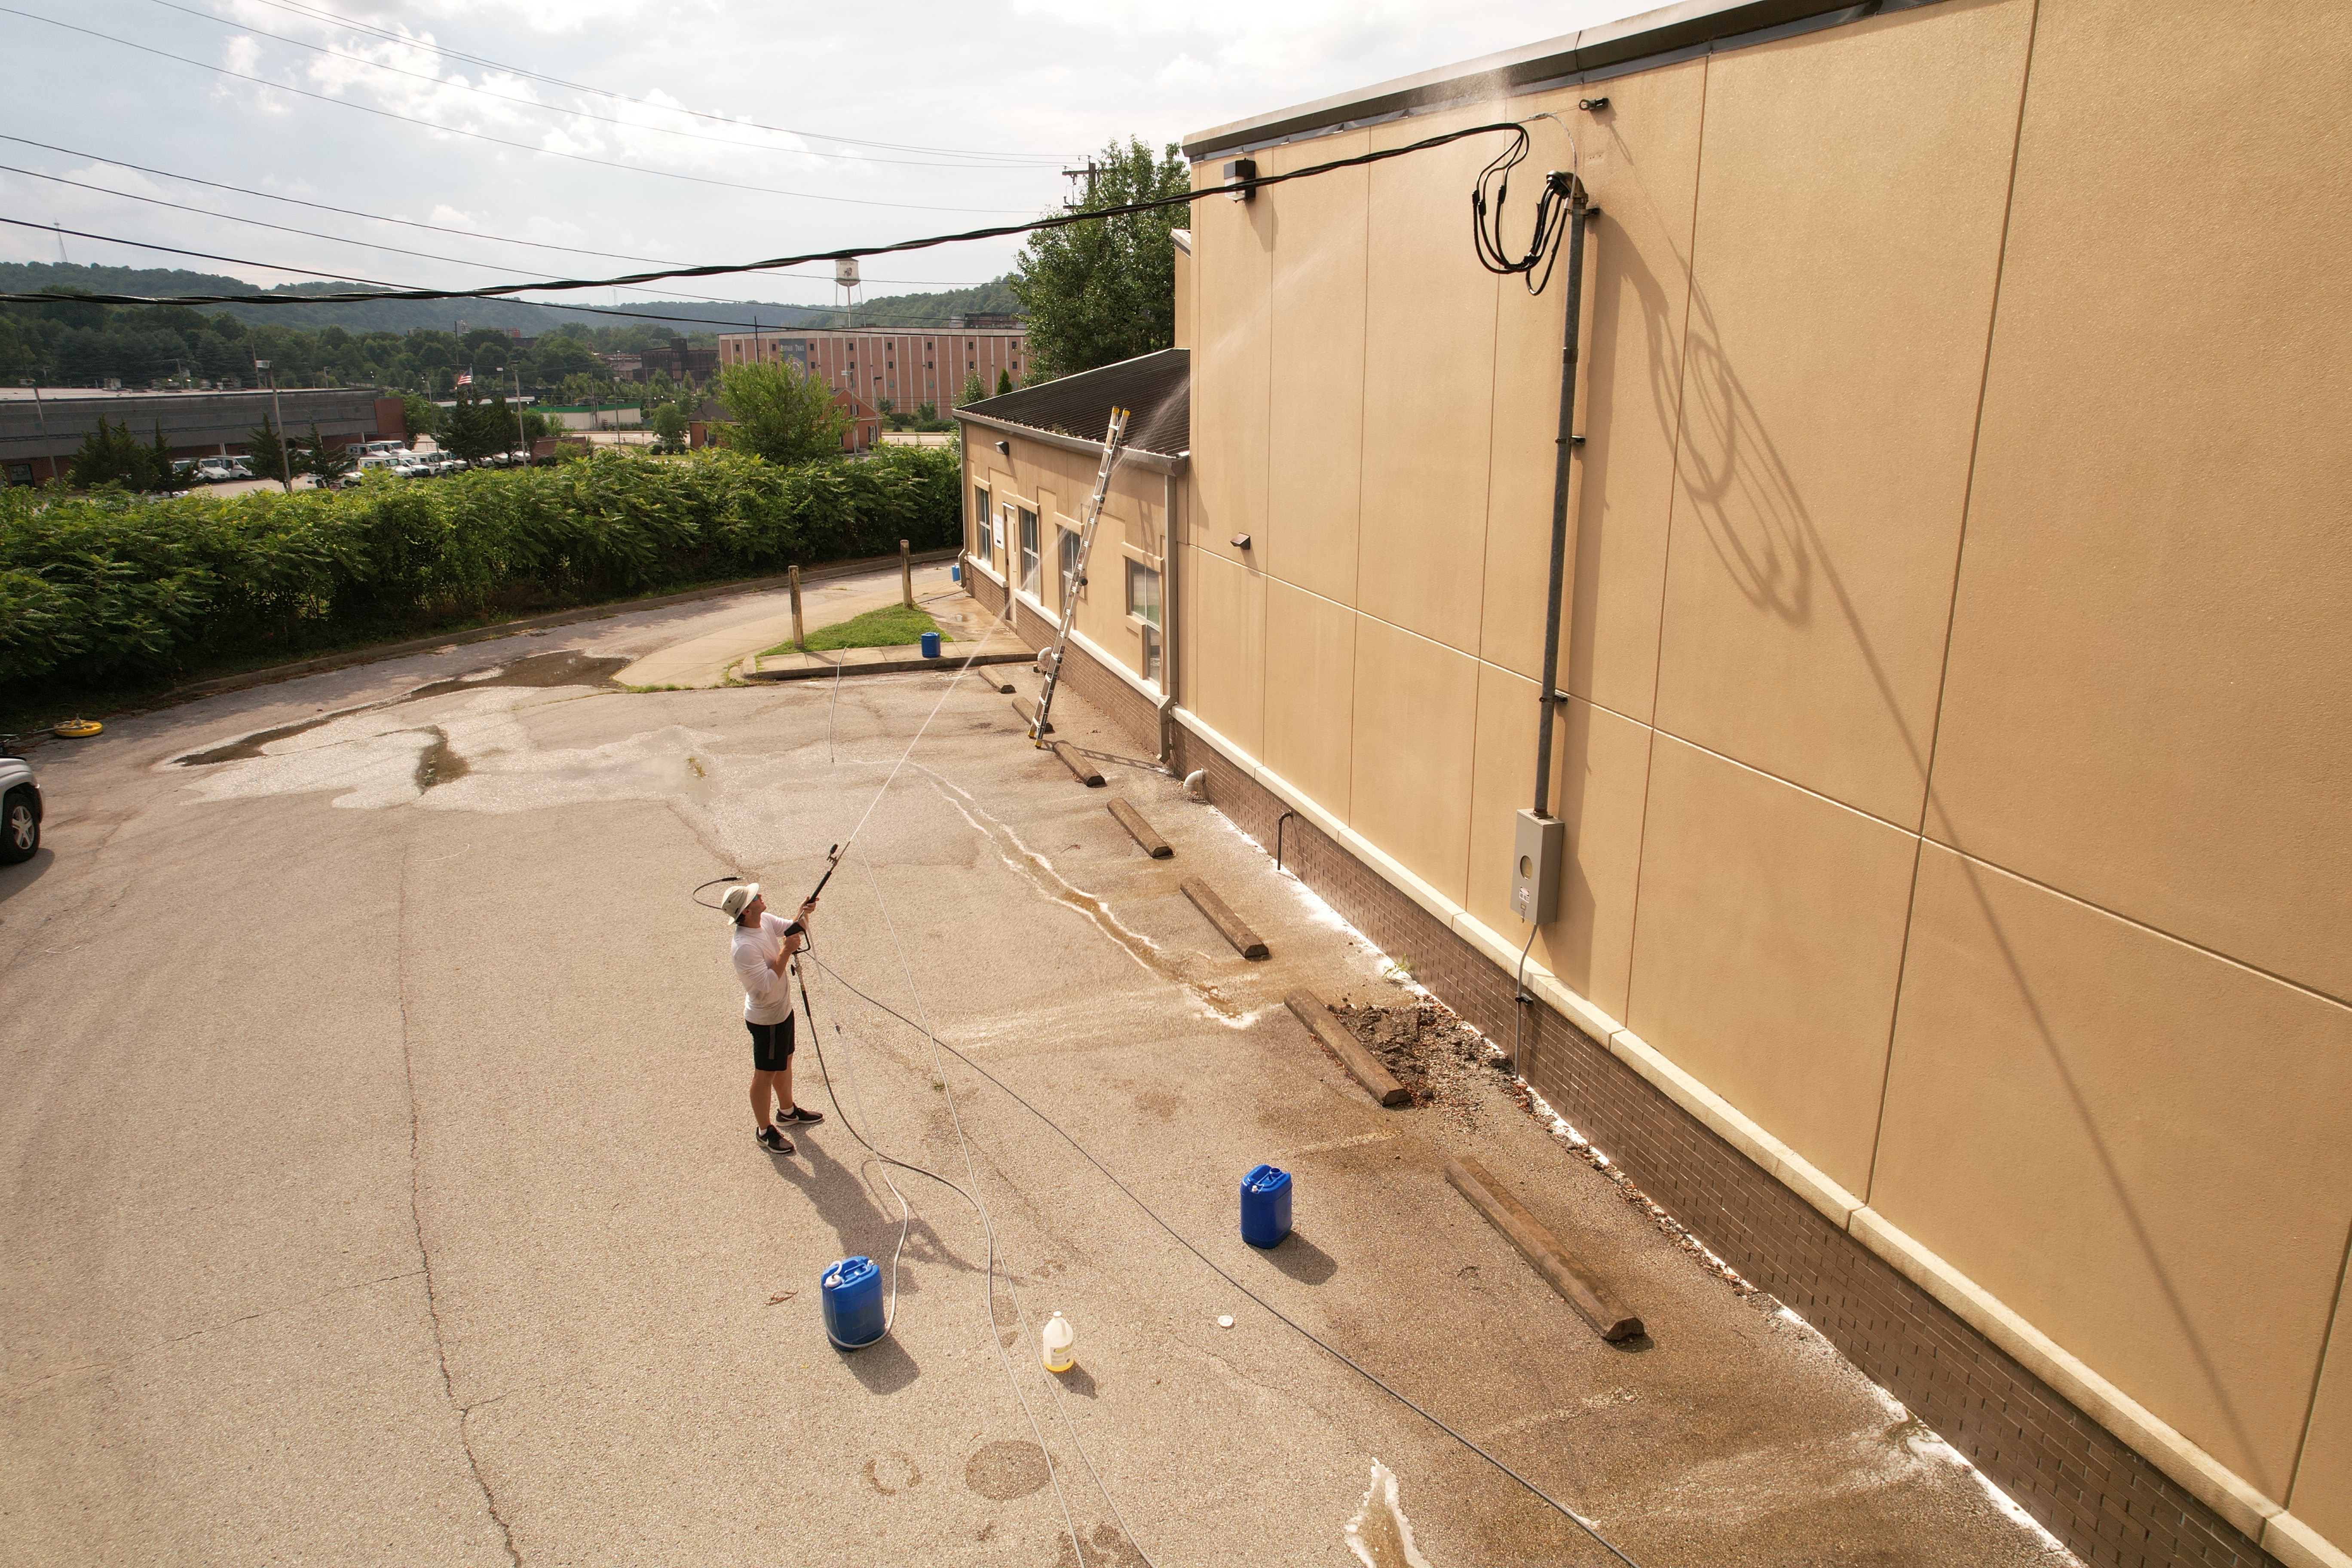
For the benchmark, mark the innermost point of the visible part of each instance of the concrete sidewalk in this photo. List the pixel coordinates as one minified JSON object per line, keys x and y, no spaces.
{"x":758,"y":622}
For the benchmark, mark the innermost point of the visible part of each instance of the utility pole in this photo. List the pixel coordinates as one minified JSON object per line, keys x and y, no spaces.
{"x":522,"y":440}
{"x":285,"y":452}
{"x":1091,"y":170}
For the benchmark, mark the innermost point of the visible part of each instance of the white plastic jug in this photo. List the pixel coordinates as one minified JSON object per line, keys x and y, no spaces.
{"x":1059,"y":1340}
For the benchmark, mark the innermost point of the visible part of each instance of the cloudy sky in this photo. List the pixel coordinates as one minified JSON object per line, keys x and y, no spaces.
{"x":731,"y":133}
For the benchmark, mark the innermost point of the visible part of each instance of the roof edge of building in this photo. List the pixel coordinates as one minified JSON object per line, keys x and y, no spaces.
{"x":1658,"y":38}
{"x":1157,"y":462}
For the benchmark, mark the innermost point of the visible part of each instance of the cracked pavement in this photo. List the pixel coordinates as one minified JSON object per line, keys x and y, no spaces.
{"x":379,"y":1186}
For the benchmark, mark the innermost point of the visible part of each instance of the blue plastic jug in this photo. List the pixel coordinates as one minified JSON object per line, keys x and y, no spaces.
{"x":1266,"y":1205}
{"x":930,"y":645}
{"x":955,"y":573}
{"x":853,"y":1303}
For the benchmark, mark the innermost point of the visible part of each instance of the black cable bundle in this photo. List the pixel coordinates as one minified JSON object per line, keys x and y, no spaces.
{"x":1551,"y":217}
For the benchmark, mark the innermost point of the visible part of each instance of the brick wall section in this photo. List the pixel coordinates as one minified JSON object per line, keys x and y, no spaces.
{"x":2112,"y":1508}
{"x":1136,"y":715}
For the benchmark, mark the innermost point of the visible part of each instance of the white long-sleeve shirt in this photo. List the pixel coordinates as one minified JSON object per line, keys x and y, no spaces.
{"x":767,"y":994}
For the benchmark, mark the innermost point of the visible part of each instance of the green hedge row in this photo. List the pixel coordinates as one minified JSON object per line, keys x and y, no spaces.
{"x":112,"y":587}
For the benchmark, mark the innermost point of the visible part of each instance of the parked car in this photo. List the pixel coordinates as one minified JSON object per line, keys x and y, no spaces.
{"x":218,"y":470}
{"x":20,"y":805}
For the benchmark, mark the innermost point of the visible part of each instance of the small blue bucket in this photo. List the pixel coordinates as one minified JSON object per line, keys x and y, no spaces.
{"x":930,"y":645}
{"x":1266,"y":1205}
{"x":955,"y":573}
{"x":853,"y":1318}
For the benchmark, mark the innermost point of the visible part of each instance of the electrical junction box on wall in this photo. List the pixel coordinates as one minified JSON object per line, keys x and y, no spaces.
{"x":1537,"y":849}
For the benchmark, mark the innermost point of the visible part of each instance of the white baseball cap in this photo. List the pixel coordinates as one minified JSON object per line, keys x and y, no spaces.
{"x":739,"y":899}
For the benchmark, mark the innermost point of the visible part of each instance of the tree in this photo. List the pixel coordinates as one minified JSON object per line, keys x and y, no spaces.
{"x":779,"y":413}
{"x":160,"y":471}
{"x":327,"y":464}
{"x":271,"y":459}
{"x":669,"y":428}
{"x":973,"y":391}
{"x":474,"y":429}
{"x":422,"y":417}
{"x":1003,"y":381}
{"x":1099,"y":292}
{"x":108,"y":455}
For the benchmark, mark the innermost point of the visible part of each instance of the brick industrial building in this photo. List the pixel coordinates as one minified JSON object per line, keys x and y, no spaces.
{"x":908,"y":369}
{"x":40,"y":429}
{"x":1953,"y":705}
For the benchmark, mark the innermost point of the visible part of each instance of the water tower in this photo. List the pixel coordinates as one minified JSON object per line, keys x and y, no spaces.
{"x":846,"y":285}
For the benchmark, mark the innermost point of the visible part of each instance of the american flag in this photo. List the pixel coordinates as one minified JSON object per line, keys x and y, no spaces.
{"x":465,"y":378}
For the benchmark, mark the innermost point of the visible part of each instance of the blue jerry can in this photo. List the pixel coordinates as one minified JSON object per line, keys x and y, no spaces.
{"x":853,"y":1302}
{"x":930,"y":645}
{"x":955,"y":573}
{"x":1266,"y":1205}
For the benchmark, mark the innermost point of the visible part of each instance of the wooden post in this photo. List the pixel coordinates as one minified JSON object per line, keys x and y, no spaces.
{"x":1133,"y":820}
{"x":906,"y":576}
{"x":1230,"y":926}
{"x":1363,"y":1066}
{"x":1578,"y":1284}
{"x":800,"y":637}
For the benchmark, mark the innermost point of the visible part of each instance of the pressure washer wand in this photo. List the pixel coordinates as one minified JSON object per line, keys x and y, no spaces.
{"x":831,"y":864}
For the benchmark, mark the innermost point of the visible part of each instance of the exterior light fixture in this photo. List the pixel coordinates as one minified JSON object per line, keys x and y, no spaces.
{"x":1240,"y":175}
{"x":1241,"y":542}
{"x":1005,"y":447}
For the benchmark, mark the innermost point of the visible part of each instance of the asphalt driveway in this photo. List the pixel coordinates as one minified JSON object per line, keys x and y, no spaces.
{"x":379,"y":1186}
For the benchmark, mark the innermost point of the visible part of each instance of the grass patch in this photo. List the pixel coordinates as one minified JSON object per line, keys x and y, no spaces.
{"x":893,"y":626}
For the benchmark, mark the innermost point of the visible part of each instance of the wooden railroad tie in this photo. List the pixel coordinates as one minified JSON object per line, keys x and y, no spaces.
{"x":1231,"y":926}
{"x":1028,"y":712}
{"x":1080,"y":769}
{"x":1363,"y":1066}
{"x":1133,"y":820}
{"x":1585,"y":1290}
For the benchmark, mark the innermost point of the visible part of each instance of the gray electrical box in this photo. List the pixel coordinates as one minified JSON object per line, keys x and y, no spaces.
{"x":1536,"y":848}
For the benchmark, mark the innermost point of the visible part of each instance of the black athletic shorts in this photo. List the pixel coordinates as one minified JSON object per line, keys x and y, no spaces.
{"x":772,"y":1045}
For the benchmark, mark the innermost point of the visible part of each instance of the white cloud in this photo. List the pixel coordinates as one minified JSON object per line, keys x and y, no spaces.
{"x":1053,"y":78}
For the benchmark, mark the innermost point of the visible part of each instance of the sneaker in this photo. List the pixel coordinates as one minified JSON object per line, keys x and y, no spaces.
{"x":802,"y":1116}
{"x":774,"y":1141}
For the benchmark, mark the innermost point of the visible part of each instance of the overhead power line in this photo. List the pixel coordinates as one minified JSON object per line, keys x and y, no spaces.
{"x":397,"y":251}
{"x":485,"y":136}
{"x":320,"y":13}
{"x":579,"y":113}
{"x":395,"y":291}
{"x":1064,"y":220}
{"x":377,"y":217}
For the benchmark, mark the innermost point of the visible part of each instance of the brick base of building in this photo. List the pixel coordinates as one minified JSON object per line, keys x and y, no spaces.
{"x":1135,"y":715}
{"x":2111,"y":1508}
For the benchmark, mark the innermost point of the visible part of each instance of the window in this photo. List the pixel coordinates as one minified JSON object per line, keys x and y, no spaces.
{"x":980,"y":519}
{"x":1143,"y":593}
{"x":1069,"y":564}
{"x":1143,"y":604}
{"x":1029,"y":552}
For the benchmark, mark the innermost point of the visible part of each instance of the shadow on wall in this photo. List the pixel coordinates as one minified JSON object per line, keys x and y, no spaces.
{"x":1757,"y":526}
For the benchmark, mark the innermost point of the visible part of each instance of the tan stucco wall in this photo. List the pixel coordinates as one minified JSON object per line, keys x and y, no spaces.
{"x":1957,"y":770}
{"x":1055,"y":483}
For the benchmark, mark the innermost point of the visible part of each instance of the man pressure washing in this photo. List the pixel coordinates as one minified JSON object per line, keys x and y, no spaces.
{"x":763,"y":948}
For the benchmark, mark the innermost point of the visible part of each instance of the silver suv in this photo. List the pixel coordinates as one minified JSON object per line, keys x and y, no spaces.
{"x":20,"y":805}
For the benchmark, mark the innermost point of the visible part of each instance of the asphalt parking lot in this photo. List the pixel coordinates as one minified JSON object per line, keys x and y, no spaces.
{"x":380,"y":1187}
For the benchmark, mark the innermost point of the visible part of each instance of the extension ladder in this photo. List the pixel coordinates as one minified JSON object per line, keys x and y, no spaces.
{"x":1113,"y":442}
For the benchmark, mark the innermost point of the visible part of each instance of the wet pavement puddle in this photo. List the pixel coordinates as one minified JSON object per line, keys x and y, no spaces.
{"x":1380,"y":1536}
{"x":558,"y":667}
